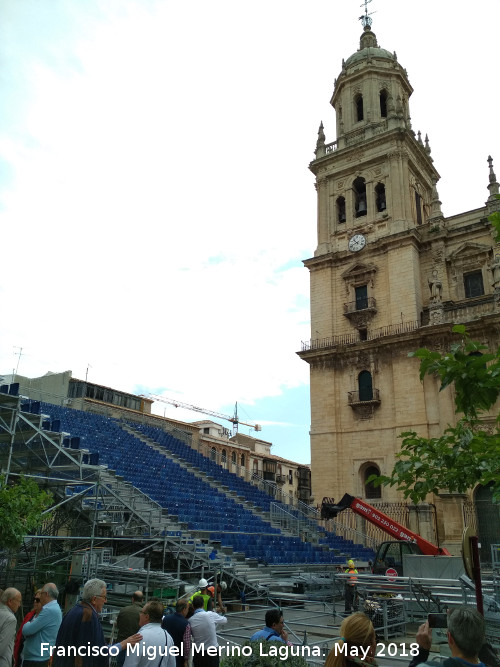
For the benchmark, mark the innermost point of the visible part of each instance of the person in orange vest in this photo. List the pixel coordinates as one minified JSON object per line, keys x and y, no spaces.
{"x":219,"y":604}
{"x":350,"y":587}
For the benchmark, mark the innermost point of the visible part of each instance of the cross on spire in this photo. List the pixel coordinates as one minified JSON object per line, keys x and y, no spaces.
{"x":365,"y":18}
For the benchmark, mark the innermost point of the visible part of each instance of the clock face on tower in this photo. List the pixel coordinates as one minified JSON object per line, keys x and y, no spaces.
{"x":357,"y":243}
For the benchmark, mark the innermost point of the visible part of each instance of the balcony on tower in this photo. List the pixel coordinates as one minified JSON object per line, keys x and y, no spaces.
{"x":365,"y":398}
{"x":362,"y":309}
{"x":366,"y":303}
{"x":355,"y":398}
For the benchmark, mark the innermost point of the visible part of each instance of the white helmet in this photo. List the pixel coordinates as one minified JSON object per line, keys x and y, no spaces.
{"x":203,"y":583}
{"x":223,"y":585}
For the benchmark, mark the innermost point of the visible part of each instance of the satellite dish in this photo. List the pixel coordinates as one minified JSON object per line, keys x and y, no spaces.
{"x":467,"y":551}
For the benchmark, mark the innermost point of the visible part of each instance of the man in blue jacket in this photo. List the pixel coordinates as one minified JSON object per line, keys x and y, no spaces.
{"x":178,"y":628}
{"x":42,"y":629}
{"x":81,"y":631}
{"x":275,"y":628}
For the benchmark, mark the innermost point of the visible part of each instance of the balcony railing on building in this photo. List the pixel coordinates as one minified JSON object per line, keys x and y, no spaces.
{"x":364,"y":401}
{"x":355,"y":398}
{"x":365,"y":303}
{"x":456,"y":312}
{"x":353,"y":338}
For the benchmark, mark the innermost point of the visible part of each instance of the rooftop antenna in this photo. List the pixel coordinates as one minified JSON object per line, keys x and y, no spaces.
{"x":365,"y":18}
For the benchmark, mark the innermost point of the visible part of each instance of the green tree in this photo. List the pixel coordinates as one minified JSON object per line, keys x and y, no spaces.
{"x":468,"y":453}
{"x":21,"y":508}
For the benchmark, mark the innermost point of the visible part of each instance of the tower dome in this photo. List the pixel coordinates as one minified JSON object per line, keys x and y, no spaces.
{"x":371,"y":90}
{"x":368,"y":48}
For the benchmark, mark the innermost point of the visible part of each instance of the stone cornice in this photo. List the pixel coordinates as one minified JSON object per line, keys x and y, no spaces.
{"x":435,"y":336}
{"x":416,"y":154}
{"x":377,"y":246}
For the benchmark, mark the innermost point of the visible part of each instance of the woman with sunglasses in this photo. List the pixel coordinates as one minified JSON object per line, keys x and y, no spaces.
{"x":18,"y":646}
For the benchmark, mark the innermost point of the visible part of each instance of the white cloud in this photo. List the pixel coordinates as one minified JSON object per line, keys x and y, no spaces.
{"x":156,"y":177}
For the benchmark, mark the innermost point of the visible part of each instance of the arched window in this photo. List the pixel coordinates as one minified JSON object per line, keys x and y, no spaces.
{"x":365,"y":386}
{"x":380,"y":197}
{"x":371,"y":491}
{"x":213,"y":454}
{"x":255,"y":465}
{"x":223,"y":456}
{"x":233,"y":458}
{"x":242,"y":461}
{"x":383,"y":103}
{"x":341,"y":209}
{"x":359,"y":187}
{"x":358,"y":104}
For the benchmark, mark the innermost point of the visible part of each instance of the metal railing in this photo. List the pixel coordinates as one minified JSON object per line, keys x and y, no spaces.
{"x":353,"y":338}
{"x":249,"y":475}
{"x":366,"y":303}
{"x":354,"y":397}
{"x":297,"y":523}
{"x":347,"y":524}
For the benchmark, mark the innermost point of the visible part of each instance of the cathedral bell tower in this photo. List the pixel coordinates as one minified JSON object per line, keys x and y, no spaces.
{"x":389,"y":275}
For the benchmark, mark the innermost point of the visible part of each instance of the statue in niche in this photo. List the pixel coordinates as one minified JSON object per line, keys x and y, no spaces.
{"x":436,"y":288}
{"x":495,"y":273}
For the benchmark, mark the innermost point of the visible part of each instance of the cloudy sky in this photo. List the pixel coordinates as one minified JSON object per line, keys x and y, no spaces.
{"x":155,"y":200}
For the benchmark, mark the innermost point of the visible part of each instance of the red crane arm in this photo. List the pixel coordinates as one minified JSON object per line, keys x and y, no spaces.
{"x":390,"y":526}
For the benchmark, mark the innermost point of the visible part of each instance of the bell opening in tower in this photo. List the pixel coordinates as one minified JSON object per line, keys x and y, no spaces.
{"x":359,"y":186}
{"x":358,"y":102}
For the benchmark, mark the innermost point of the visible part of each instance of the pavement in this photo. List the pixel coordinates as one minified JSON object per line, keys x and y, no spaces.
{"x":317,"y":624}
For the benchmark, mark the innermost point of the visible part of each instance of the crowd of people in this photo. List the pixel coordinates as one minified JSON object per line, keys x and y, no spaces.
{"x":77,"y":639}
{"x":147,"y":637}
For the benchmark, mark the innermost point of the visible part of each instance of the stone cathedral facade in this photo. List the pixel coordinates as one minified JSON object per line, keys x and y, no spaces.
{"x":390,"y":274}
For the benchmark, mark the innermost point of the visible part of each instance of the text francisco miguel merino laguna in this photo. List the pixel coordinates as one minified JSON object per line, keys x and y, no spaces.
{"x":274,"y":649}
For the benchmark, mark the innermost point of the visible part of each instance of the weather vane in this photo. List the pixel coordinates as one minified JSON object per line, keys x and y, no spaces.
{"x":365,"y":18}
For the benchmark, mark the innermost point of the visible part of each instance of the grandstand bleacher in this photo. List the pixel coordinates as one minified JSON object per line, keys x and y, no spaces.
{"x":143,"y":482}
{"x":189,"y":497}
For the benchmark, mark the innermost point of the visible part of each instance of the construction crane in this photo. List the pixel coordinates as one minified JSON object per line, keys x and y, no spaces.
{"x":234,"y":419}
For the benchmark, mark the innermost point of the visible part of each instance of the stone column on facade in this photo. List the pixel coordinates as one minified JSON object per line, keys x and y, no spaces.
{"x":450,"y":521}
{"x":396,"y":179}
{"x":421,"y":520}
{"x":349,"y":206}
{"x":392,"y":119}
{"x":405,"y":194}
{"x":370,"y":200}
{"x":495,"y":281}
{"x":323,"y":226}
{"x":341,"y":142}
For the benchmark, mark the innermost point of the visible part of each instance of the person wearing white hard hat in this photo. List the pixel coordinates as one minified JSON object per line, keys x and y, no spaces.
{"x":222,"y":586}
{"x":205,"y":594}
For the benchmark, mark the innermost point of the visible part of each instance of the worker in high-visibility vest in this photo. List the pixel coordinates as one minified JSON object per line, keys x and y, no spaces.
{"x":350,"y":586}
{"x":207,"y":598}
